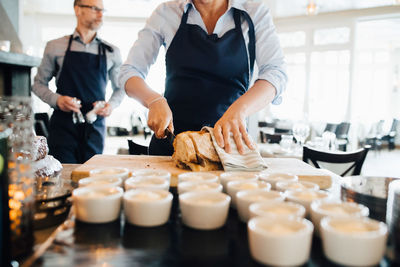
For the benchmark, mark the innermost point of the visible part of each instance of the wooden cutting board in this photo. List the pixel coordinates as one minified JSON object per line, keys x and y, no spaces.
{"x":132,"y":162}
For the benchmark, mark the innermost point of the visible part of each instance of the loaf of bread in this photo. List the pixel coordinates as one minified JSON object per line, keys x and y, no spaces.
{"x":195,"y":151}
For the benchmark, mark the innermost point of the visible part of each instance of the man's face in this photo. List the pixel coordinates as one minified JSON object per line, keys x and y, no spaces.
{"x":90,"y":17}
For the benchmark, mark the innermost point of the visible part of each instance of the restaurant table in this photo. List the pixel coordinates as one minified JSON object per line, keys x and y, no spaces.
{"x":121,"y":244}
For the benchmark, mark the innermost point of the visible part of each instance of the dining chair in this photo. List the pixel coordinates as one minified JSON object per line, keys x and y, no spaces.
{"x":136,"y":149}
{"x":356,"y":157}
{"x":342,"y":132}
{"x":391,"y":135}
{"x":330,"y":127}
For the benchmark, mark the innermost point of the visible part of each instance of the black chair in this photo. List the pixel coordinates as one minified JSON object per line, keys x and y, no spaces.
{"x":136,"y":149}
{"x":374,"y":138}
{"x":342,"y":135}
{"x":41,"y":124}
{"x":330,"y":127}
{"x":391,"y":136}
{"x":356,"y":157}
{"x":282,"y":131}
{"x":273,"y":138}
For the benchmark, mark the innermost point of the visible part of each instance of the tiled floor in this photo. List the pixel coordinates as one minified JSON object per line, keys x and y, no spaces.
{"x":377,"y":163}
{"x":383,"y":163}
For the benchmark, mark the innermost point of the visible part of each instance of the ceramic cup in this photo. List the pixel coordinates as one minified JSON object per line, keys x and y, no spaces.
{"x":97,"y":204}
{"x":275,"y":177}
{"x":247,"y":197}
{"x":101,"y":180}
{"x":280,"y":241}
{"x":197,"y":177}
{"x":152,"y":173}
{"x":337,"y":209}
{"x":123,"y":173}
{"x":277,"y":210}
{"x":306,"y":197}
{"x":199,"y":186}
{"x":150,"y":182}
{"x":204,"y":210}
{"x":236,"y":176}
{"x":353,"y":241}
{"x":233,"y":187}
{"x":299,"y":185}
{"x":147,"y":208}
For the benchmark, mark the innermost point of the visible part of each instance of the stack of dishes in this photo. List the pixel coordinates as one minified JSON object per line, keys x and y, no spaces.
{"x":369,"y":191}
{"x":393,"y":217}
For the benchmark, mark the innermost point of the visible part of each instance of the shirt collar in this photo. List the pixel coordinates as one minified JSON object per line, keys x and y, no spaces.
{"x":77,"y":36}
{"x":238,"y":4}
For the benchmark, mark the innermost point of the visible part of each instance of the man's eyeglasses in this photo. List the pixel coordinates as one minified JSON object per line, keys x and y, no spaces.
{"x":93,"y":8}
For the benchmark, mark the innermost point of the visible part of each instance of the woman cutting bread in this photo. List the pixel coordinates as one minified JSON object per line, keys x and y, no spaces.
{"x":211,"y":47}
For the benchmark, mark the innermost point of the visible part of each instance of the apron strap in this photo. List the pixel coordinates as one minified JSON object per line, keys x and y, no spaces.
{"x":185,"y":16}
{"x":252,"y":38}
{"x":69,"y":43}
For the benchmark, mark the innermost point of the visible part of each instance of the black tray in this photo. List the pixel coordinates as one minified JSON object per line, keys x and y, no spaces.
{"x":173,"y":244}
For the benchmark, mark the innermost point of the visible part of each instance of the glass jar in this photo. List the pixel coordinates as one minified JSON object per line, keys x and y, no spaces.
{"x":16,"y":116}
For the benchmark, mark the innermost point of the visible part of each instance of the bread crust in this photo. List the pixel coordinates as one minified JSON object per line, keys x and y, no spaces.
{"x":194,"y":150}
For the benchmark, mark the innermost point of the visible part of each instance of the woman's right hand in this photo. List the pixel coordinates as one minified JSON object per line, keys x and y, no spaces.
{"x":67,"y":104}
{"x":160,"y":117}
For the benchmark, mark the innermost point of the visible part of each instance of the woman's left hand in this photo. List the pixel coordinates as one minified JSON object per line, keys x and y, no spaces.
{"x":232,"y":122}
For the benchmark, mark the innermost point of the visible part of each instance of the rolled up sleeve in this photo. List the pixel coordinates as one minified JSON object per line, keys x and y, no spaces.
{"x":269,"y":55}
{"x":46,"y":72}
{"x":118,"y":92}
{"x":145,"y":50}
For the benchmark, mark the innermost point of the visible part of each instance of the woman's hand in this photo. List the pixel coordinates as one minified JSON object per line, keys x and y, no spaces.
{"x":160,"y":117}
{"x":232,"y":122}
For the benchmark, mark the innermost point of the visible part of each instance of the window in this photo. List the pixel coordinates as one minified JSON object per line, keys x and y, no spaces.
{"x":293,"y":98}
{"x":332,"y":36}
{"x":292,"y":39}
{"x":376,"y":92}
{"x":329,"y":85}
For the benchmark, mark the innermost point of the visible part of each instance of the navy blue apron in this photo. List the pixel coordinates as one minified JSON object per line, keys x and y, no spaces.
{"x":205,"y":75}
{"x":84,"y":76}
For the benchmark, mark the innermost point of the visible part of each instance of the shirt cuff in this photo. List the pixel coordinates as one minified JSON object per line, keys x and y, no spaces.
{"x":53,"y":100}
{"x":125,"y":76}
{"x":277,"y":81}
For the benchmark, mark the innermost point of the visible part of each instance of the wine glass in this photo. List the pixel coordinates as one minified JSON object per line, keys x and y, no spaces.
{"x":301,"y":130}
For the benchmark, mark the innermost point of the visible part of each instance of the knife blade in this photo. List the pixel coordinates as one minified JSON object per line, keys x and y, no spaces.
{"x":169,"y":135}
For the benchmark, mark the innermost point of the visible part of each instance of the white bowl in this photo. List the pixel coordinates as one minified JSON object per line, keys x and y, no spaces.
{"x":101,"y":180}
{"x":296,"y":185}
{"x":277,"y":210}
{"x":197,"y":177}
{"x":353,"y":241}
{"x":152,"y":173}
{"x":233,"y":187}
{"x":199,"y":186}
{"x":147,"y":183}
{"x":247,"y":197}
{"x":236,"y":176}
{"x":204,"y":210}
{"x":97,"y":204}
{"x":147,"y":207}
{"x":275,"y":177}
{"x":306,"y":197}
{"x":280,"y":241}
{"x":337,"y":209}
{"x":123,"y":173}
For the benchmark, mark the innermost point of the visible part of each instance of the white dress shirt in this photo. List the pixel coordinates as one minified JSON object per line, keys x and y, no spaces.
{"x":164,"y":22}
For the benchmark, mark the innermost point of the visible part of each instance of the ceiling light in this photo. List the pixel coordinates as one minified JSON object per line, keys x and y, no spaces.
{"x":312,"y":8}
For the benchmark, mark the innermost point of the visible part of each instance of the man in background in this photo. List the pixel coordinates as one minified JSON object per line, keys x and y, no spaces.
{"x":82,"y":64}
